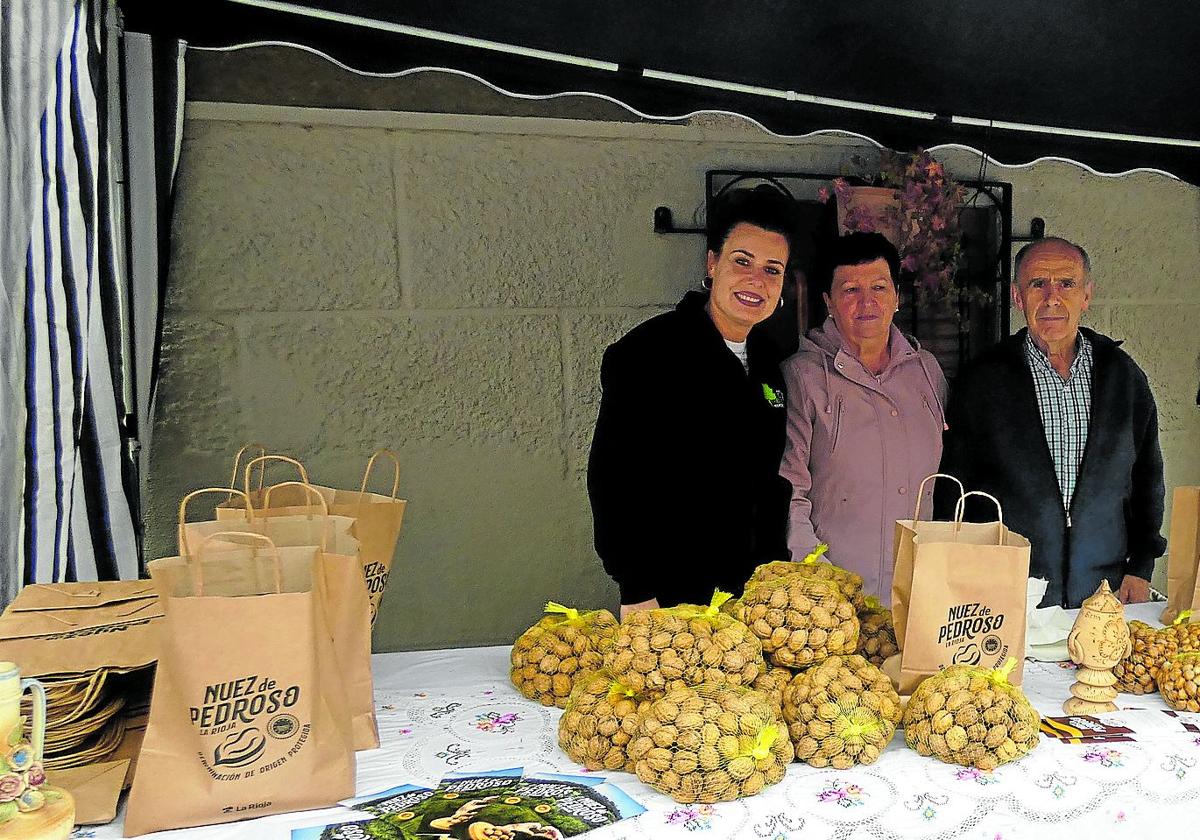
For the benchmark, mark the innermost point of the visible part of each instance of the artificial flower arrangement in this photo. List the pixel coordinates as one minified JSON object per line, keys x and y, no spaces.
{"x":921,"y":219}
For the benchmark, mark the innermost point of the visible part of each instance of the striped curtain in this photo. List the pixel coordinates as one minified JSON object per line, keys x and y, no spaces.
{"x":75,"y":519}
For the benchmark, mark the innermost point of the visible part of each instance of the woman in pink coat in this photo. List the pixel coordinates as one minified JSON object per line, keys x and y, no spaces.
{"x":865,"y":416}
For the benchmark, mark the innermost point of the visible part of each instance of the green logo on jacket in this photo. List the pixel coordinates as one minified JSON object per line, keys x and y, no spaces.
{"x":775,"y":398}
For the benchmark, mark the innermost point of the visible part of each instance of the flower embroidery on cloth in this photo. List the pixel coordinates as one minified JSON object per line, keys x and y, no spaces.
{"x":1177,"y":764}
{"x":1056,"y":784}
{"x":694,"y":818}
{"x":974,"y":774}
{"x":453,"y":754}
{"x":927,"y":804}
{"x":778,"y":826}
{"x":1103,"y":757}
{"x":500,"y":724}
{"x":848,"y":796}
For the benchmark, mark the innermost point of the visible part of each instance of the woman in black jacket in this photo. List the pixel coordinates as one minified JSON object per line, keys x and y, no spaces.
{"x":683,"y":473}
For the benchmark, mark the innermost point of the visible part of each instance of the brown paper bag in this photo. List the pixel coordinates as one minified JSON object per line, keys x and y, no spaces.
{"x":378,"y":517}
{"x":1183,"y":554}
{"x":75,"y":628}
{"x":249,"y":717}
{"x":903,"y":554}
{"x":96,"y":789}
{"x":341,"y":589}
{"x":962,"y":594}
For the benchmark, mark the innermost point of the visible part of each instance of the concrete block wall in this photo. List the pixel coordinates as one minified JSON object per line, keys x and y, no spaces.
{"x":445,"y":286}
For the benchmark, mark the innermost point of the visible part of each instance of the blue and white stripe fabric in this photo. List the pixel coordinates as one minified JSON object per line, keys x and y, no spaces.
{"x":76,"y":521}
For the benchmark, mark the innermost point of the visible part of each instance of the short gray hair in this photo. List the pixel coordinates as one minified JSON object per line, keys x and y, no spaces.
{"x":1049,"y":240}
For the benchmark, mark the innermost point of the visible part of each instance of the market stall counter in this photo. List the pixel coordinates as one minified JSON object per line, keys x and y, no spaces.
{"x":456,"y":710}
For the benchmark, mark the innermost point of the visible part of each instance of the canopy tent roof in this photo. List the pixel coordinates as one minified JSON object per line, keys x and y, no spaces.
{"x":1113,"y":89}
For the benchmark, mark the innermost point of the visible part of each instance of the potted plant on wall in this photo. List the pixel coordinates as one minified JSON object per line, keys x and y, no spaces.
{"x":912,"y":201}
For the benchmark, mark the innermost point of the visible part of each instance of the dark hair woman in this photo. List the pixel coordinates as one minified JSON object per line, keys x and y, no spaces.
{"x":684,"y":468}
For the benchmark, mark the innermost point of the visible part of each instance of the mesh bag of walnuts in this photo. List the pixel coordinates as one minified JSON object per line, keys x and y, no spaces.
{"x":801,"y":620}
{"x":599,"y":721}
{"x":876,"y":632}
{"x":548,"y":656}
{"x":1179,"y":681}
{"x":657,"y":650}
{"x":711,"y":743}
{"x":971,"y":716}
{"x":1149,"y":648}
{"x":841,"y":713}
{"x":773,"y":681}
{"x":847,"y":582}
{"x":1137,"y":673}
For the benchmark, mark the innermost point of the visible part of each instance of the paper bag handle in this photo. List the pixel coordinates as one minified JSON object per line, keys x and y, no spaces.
{"x":362,"y":490}
{"x":198,"y":567}
{"x":237,"y":463}
{"x":183,"y":504}
{"x":961,"y":508}
{"x":312,"y":493}
{"x":921,"y":491}
{"x":263,"y":459}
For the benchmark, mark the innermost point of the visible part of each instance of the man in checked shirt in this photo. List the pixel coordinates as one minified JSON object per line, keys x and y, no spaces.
{"x":1058,"y":423}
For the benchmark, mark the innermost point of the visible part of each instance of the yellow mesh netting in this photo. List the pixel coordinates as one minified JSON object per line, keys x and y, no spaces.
{"x":848,"y":583}
{"x":657,"y":650}
{"x":711,"y":743}
{"x":841,"y":713}
{"x":801,"y":620}
{"x":547,"y":657}
{"x":600,"y":719}
{"x":876,"y":633}
{"x":772,"y":682}
{"x":1179,"y":681}
{"x":971,"y":716}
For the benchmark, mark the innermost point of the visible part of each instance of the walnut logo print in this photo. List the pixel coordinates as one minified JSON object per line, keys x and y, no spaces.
{"x":249,"y":727}
{"x":240,"y":748}
{"x":971,"y":631}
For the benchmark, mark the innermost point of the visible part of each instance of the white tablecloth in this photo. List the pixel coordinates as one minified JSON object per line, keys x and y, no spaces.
{"x":442,"y":711}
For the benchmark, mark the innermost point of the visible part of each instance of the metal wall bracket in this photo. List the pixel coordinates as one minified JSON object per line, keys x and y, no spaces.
{"x":664,"y":223}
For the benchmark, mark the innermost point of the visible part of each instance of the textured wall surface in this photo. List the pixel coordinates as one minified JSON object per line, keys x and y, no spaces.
{"x":445,"y":286}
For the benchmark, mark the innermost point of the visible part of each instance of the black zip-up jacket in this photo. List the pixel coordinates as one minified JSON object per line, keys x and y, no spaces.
{"x":684,"y":467}
{"x":996,"y":443}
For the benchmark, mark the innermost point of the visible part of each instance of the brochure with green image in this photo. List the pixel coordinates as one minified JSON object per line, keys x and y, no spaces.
{"x":541,"y":806}
{"x":489,"y":805}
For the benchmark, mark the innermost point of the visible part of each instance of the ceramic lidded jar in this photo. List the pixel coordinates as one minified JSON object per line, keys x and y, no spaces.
{"x":1099,"y":638}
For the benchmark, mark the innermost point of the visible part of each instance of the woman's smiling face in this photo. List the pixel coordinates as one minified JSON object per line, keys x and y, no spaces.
{"x":747,"y":279}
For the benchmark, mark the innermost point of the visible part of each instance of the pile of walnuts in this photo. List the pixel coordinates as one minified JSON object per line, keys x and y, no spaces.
{"x":876,"y":633}
{"x":711,"y":744}
{"x":970,"y":716}
{"x":599,"y":721}
{"x":848,"y":583}
{"x":1137,"y":673}
{"x":550,"y":655}
{"x":801,"y":620}
{"x":841,"y":713}
{"x":772,"y":682}
{"x":659,"y":650}
{"x":1179,"y":681}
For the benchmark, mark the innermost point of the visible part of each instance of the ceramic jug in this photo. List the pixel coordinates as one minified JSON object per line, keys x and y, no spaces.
{"x":11,"y":689}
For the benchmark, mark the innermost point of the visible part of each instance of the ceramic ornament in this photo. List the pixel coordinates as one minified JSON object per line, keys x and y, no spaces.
{"x":1099,"y":640}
